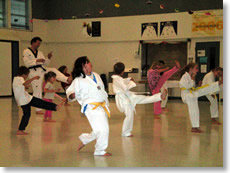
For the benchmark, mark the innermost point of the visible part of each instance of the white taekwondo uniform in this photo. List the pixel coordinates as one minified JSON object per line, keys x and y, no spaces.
{"x":209,"y":78}
{"x":190,"y":95}
{"x":89,"y":91}
{"x":39,"y":69}
{"x":126,"y":101}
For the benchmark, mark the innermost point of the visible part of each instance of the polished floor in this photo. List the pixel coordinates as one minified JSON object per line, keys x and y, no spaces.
{"x":167,"y":142}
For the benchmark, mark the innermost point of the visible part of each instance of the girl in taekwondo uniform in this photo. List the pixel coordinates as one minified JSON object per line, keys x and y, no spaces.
{"x":190,"y":95}
{"x":88,"y":89}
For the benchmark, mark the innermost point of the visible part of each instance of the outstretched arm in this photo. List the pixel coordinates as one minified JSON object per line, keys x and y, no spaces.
{"x":28,"y":82}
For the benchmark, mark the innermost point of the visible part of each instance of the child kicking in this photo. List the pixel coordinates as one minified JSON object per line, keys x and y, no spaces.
{"x":126,"y":100}
{"x":190,"y":94}
{"x":25,"y":100}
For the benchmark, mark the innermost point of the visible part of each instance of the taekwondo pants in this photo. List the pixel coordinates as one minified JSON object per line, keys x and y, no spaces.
{"x":130,"y":109}
{"x":37,"y":84}
{"x":166,"y":75}
{"x":98,"y":120}
{"x":213,"y":107}
{"x":191,"y":99}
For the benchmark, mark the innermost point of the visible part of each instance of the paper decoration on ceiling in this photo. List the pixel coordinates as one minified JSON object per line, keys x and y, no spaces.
{"x":168,"y":29}
{"x":74,"y":17}
{"x":149,"y":2}
{"x":117,"y":5}
{"x":31,"y":21}
{"x":149,"y":30}
{"x":162,"y":6}
{"x":190,"y":12}
{"x":60,"y":19}
{"x":101,"y":11}
{"x":177,"y":10}
{"x":91,"y":29}
{"x":16,"y":20}
{"x":87,"y":14}
{"x":208,"y":14}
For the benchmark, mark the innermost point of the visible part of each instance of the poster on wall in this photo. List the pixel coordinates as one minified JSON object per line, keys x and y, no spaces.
{"x":91,"y":29}
{"x":207,"y":23}
{"x":200,"y":53}
{"x":168,"y":29}
{"x":149,"y":30}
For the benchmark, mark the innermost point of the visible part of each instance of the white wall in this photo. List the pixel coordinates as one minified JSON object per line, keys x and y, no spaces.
{"x":119,"y":40}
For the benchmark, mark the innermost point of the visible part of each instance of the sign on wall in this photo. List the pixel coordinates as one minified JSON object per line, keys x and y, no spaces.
{"x":91,"y":29}
{"x":149,"y":30}
{"x":207,"y":23}
{"x":168,"y":28}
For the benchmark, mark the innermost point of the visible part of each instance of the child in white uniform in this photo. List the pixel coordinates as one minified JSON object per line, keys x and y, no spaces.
{"x":190,"y":94}
{"x":25,"y":100}
{"x":209,"y":78}
{"x":126,"y":100}
{"x":88,"y":89}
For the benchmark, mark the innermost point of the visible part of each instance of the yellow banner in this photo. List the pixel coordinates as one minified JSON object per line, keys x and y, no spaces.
{"x":207,"y":23}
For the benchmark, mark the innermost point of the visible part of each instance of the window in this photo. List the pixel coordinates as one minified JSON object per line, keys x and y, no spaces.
{"x":20,"y":14}
{"x":2,"y":13}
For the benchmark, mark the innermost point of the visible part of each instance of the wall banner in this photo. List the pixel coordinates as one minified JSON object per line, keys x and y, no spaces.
{"x":207,"y":23}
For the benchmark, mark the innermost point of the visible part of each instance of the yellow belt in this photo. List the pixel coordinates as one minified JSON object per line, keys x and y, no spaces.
{"x":195,"y":89}
{"x":102,"y":104}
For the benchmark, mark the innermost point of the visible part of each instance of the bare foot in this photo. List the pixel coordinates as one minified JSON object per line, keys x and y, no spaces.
{"x":196,"y":130}
{"x":157,"y":117}
{"x":214,"y":121}
{"x":45,"y":120}
{"x":39,"y":112}
{"x":51,"y":121}
{"x":130,"y":136}
{"x":107,"y":154}
{"x":80,"y":146}
{"x":21,"y":132}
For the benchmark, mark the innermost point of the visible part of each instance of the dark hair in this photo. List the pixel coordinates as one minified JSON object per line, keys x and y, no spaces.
{"x":78,"y":69}
{"x":35,"y":39}
{"x":23,"y":70}
{"x":156,"y":63}
{"x":49,"y":75}
{"x":118,"y":68}
{"x":187,"y":67}
{"x":219,"y":69}
{"x":62,"y":68}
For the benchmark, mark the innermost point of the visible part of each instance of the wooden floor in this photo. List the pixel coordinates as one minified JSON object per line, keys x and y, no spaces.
{"x":156,"y":143}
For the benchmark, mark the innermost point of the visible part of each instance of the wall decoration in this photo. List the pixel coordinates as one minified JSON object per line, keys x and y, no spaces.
{"x":203,"y":68}
{"x":207,"y":23}
{"x":168,"y":29}
{"x":149,"y":30}
{"x":204,"y":59}
{"x":200,"y":53}
{"x":87,"y":29}
{"x":91,"y":29}
{"x":96,"y":29}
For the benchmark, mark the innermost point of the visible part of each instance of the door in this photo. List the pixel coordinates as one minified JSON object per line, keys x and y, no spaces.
{"x":207,"y":58}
